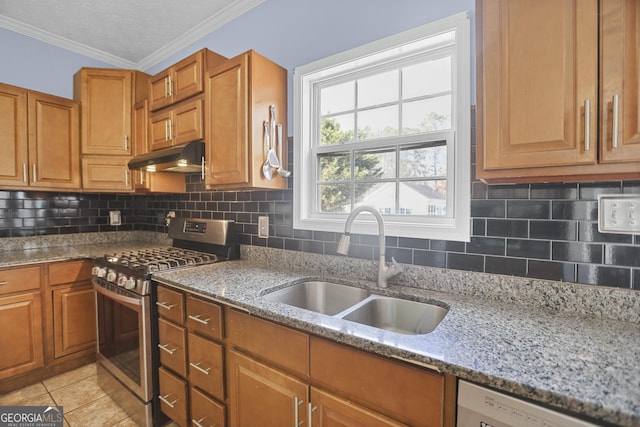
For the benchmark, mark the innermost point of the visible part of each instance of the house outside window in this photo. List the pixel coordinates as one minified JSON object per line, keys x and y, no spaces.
{"x":387,"y":125}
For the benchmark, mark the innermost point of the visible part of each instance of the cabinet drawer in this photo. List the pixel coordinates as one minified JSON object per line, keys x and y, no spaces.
{"x":406,"y":393}
{"x":19,"y":279}
{"x":70,"y":272}
{"x":206,"y":366}
{"x":204,"y":317}
{"x":206,"y":411}
{"x":172,"y":341}
{"x":170,"y":304}
{"x":267,"y":340}
{"x":173,"y":397}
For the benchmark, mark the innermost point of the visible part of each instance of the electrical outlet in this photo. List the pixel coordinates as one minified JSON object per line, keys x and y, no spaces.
{"x":619,"y":214}
{"x":167,"y":219}
{"x":263,"y":227}
{"x":114,"y":218}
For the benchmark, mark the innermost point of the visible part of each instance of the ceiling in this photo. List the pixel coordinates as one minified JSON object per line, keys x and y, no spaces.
{"x":125,"y":33}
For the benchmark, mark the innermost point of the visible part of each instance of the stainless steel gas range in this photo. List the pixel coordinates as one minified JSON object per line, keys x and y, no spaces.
{"x":125,"y":302}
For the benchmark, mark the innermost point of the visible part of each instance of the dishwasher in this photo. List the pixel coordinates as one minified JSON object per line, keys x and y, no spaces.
{"x":482,"y":407}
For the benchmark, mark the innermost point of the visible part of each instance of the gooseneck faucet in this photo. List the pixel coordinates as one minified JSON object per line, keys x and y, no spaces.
{"x":384,"y":273}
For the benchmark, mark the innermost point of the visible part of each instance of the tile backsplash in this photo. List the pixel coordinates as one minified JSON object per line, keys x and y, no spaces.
{"x":544,"y":231}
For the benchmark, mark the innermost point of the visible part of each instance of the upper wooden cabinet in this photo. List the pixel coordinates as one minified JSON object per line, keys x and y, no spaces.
{"x":39,"y":140}
{"x":177,"y":125}
{"x":182,"y":80}
{"x":543,"y":112}
{"x":107,"y":97}
{"x":238,"y":95}
{"x":144,"y":181}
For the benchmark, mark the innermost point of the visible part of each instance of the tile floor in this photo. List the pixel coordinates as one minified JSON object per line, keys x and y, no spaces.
{"x":84,"y":402}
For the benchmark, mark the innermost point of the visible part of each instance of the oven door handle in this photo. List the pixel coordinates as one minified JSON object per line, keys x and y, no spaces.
{"x":117,"y":297}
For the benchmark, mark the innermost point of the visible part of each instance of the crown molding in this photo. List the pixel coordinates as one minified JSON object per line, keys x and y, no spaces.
{"x":64,"y":43}
{"x":214,"y":22}
{"x":207,"y":26}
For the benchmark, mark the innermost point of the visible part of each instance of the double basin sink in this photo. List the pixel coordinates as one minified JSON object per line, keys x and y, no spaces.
{"x":361,"y":306}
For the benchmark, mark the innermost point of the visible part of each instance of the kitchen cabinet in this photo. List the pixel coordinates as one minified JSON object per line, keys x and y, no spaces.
{"x":144,"y":181}
{"x":182,"y":80}
{"x":285,"y":376}
{"x":21,"y":343}
{"x":72,"y":317}
{"x":192,"y":358}
{"x":40,"y":139}
{"x":238,"y":95}
{"x":551,"y":119}
{"x":107,"y":97}
{"x":177,"y":125}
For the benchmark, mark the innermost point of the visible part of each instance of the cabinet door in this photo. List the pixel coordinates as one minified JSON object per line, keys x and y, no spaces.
{"x":103,"y":173}
{"x":13,"y":137}
{"x":187,"y":76}
{"x":620,"y":81}
{"x":206,"y":411}
{"x":226,"y":113}
{"x":106,"y":111}
{"x":206,"y":366}
{"x":54,"y":147}
{"x":187,"y":122}
{"x":159,"y":90}
{"x":160,"y":130}
{"x":330,"y":411}
{"x":74,"y":319}
{"x":532,"y":113}
{"x":139,"y":133}
{"x":21,"y":347}
{"x":261,"y":395}
{"x":173,"y":397}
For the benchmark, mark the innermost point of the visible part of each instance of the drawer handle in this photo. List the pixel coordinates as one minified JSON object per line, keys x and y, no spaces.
{"x":166,"y":400}
{"x":165,"y":305}
{"x":166,"y":348}
{"x":198,"y":319}
{"x":198,"y":423}
{"x":4,"y":283}
{"x":196,"y":366}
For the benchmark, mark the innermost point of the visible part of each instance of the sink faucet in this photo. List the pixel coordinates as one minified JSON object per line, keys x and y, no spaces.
{"x":384,"y":273}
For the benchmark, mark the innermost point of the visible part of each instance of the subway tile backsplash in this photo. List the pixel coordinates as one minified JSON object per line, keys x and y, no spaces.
{"x":546,"y":231}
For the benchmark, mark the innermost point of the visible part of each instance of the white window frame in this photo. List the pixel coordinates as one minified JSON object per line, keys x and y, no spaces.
{"x":457,"y":224}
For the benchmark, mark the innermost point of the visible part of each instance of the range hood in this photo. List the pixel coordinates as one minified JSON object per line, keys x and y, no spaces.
{"x":185,"y":158}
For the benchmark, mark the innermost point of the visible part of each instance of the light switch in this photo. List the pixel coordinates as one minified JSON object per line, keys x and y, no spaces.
{"x":619,"y":213}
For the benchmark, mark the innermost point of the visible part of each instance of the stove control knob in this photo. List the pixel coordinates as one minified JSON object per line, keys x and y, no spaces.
{"x":122,"y":280}
{"x":111,"y":276}
{"x":130,"y":283}
{"x":99,"y":271}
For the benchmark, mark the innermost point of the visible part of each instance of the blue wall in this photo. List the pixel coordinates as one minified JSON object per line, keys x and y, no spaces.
{"x":290,"y":32}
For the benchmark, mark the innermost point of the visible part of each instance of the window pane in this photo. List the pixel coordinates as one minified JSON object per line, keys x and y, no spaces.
{"x":378,"y":122}
{"x":423,"y":198}
{"x":426,"y":78}
{"x":378,"y":89}
{"x":335,"y":198}
{"x":426,"y":115}
{"x":334,"y":167}
{"x":424,"y":161}
{"x":337,"y":98}
{"x":375,"y":164}
{"x":381,"y":196}
{"x":337,"y":129}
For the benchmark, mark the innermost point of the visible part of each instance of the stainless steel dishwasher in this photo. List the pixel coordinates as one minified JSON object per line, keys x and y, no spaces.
{"x":482,"y":407}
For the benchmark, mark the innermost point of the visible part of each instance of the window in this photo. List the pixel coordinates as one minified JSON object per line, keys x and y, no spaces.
{"x":387,"y":125}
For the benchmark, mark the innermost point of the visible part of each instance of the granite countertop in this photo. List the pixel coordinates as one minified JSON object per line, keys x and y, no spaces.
{"x":585,"y":365}
{"x":569,"y":346}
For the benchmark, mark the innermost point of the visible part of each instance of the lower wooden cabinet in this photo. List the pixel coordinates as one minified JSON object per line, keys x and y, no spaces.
{"x":74,"y":319}
{"x":262,"y":395}
{"x":192,"y":385}
{"x":21,"y":344}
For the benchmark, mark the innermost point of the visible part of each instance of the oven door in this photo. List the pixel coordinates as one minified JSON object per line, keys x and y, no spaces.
{"x":124,"y":336}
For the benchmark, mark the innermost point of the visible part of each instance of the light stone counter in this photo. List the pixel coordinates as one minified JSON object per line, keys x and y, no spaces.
{"x":570,"y":356}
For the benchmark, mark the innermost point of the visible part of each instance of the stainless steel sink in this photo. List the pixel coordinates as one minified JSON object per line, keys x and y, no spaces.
{"x":398,"y":315}
{"x":319,"y":296}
